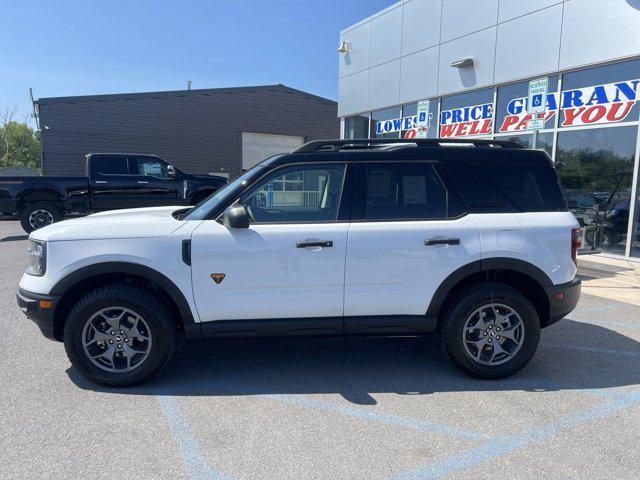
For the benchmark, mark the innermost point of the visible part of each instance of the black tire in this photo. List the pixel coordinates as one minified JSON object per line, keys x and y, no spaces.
{"x":153,"y":311}
{"x":461,"y":308}
{"x":49,"y":208}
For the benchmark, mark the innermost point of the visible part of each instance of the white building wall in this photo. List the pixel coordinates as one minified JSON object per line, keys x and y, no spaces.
{"x":404,"y":52}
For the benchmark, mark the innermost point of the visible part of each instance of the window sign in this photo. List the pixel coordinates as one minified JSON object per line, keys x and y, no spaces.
{"x":467,"y":121}
{"x":406,"y":124}
{"x":608,"y":103}
{"x":596,"y":104}
{"x":517,"y":116}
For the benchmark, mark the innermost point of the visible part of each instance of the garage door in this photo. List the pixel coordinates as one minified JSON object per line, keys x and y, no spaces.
{"x":258,"y":146}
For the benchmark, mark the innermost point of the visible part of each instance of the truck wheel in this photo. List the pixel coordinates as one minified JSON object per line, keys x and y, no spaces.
{"x":39,"y":214}
{"x":490,"y":331}
{"x":119,"y":335}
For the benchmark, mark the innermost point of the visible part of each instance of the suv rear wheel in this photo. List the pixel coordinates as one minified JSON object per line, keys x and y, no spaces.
{"x":119,"y":335}
{"x":490,"y":331}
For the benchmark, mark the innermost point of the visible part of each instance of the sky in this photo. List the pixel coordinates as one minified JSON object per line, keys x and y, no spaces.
{"x":74,"y":47}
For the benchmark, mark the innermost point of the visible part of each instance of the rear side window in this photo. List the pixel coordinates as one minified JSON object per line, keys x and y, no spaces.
{"x":490,"y":188}
{"x":403,"y":191}
{"x":110,"y":165}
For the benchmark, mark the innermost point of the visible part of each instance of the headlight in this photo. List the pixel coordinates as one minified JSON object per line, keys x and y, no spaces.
{"x":37,"y":253}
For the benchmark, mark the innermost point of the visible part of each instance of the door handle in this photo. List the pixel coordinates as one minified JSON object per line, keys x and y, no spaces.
{"x":101,"y":181}
{"x":441,"y":241}
{"x":321,"y":243}
{"x":142,"y":182}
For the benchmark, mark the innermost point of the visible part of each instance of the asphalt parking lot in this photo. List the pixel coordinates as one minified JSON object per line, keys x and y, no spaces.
{"x":324,"y":408}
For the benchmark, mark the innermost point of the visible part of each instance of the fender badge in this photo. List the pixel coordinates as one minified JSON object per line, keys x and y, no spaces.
{"x":218,"y":277}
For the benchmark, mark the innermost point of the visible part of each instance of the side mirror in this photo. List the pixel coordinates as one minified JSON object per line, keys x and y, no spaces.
{"x":171,"y":172}
{"x":235,"y":216}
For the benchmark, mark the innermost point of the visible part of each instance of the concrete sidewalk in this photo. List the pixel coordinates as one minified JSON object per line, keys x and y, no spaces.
{"x":610,"y":278}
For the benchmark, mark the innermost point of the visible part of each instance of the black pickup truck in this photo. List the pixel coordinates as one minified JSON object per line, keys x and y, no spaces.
{"x":113,"y":181}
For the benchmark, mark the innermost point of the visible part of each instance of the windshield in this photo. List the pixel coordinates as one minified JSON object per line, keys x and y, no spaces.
{"x":202,"y":210}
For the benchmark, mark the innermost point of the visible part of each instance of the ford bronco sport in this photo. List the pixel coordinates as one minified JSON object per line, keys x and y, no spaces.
{"x":469,"y":239}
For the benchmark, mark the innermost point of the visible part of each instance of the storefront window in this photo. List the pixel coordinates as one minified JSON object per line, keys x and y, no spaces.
{"x":511,"y":108}
{"x":600,"y":95}
{"x":635,"y":231}
{"x":356,"y":127}
{"x":467,"y":115}
{"x":595,"y":167}
{"x":386,"y":123}
{"x":544,"y":142}
{"x":410,"y":111}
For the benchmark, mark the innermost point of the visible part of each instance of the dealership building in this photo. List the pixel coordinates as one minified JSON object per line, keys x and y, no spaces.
{"x":218,"y":130}
{"x":472,"y":60}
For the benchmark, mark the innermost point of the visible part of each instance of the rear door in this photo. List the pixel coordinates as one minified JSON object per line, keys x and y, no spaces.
{"x":111,"y":186}
{"x":408,"y":233}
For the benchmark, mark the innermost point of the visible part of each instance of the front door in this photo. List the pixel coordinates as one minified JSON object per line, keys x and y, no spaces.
{"x":409,"y":232}
{"x":152,"y":183}
{"x":285,"y":272}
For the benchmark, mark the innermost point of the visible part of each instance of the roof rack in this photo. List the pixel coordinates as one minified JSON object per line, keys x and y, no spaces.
{"x":371,"y":143}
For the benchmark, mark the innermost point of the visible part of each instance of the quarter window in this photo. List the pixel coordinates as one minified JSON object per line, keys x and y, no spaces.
{"x":403,"y":191}
{"x":309,"y":193}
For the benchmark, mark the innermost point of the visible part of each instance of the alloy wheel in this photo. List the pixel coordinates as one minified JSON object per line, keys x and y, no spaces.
{"x":116,"y":339}
{"x":493,"y":334}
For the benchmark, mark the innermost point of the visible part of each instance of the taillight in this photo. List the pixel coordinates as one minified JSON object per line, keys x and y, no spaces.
{"x":575,"y":244}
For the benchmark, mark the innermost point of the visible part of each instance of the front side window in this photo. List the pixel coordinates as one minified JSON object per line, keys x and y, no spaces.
{"x":304,"y":193}
{"x":403,"y":191}
{"x":149,"y":166}
{"x":110,"y":165}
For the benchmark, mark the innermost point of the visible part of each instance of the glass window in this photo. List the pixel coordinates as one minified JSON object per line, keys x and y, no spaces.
{"x":409,"y":113}
{"x":606,"y":94}
{"x":356,"y":127}
{"x":308,"y":193}
{"x":511,"y":109}
{"x":595,"y":168}
{"x":386,"y":123}
{"x":110,"y":165}
{"x":635,"y":233}
{"x":149,"y":166}
{"x":404,"y":191}
{"x":466,"y":115}
{"x":499,"y":188}
{"x":545,"y":140}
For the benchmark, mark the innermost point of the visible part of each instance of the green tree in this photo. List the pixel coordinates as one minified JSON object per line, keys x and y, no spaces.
{"x":19,"y":143}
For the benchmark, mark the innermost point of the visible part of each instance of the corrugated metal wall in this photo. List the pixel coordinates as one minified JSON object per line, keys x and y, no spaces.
{"x":199,"y":131}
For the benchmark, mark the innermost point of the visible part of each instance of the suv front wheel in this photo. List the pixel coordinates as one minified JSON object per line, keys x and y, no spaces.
{"x":490,"y":331}
{"x":119,"y":335}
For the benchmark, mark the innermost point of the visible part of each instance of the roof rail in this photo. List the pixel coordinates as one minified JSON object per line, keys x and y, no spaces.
{"x":371,"y":143}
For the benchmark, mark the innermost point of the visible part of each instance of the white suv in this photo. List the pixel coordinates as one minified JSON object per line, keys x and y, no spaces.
{"x":469,"y":239}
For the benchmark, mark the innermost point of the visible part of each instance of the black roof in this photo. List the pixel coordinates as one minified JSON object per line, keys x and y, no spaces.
{"x":181,"y":93}
{"x":444,"y":150}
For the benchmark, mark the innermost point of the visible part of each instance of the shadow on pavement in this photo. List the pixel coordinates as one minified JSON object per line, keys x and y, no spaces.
{"x":358,"y":367}
{"x":14,"y":238}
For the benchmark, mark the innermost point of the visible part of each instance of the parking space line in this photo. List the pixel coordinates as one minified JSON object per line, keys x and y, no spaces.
{"x":499,"y":446}
{"x":190,"y":452}
{"x":389,"y":418}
